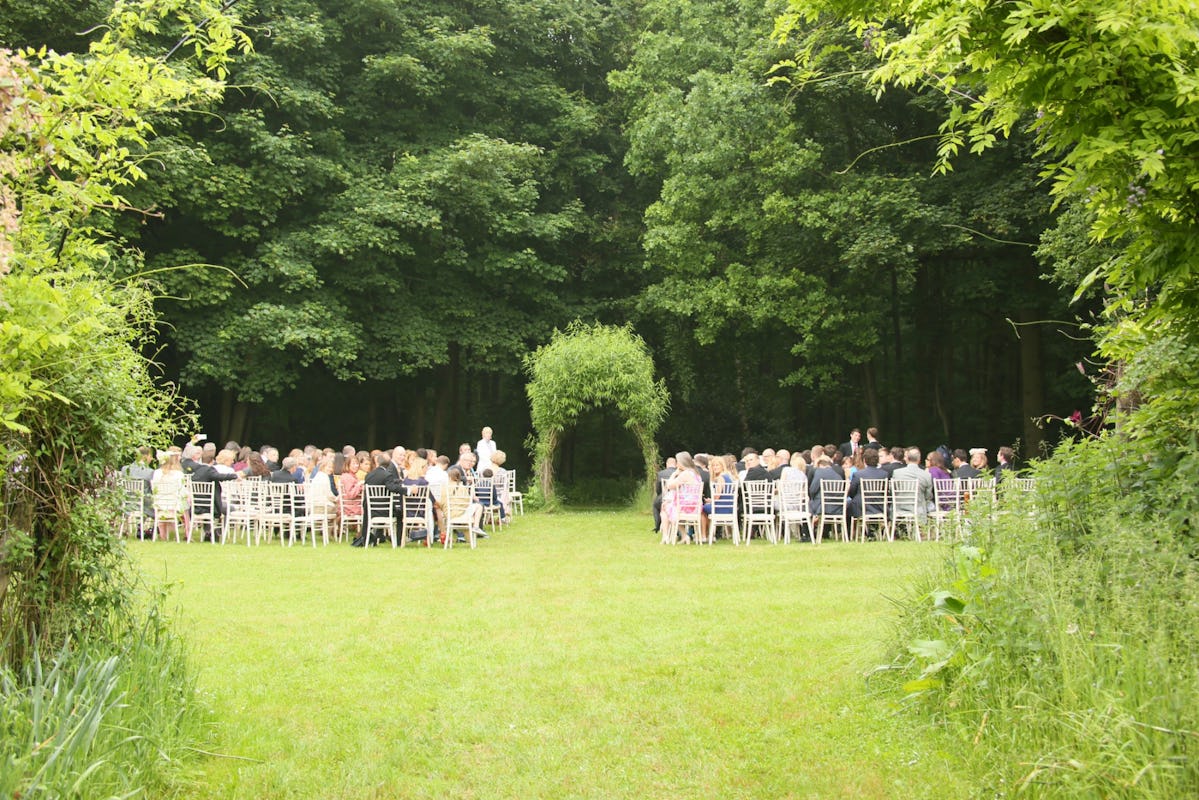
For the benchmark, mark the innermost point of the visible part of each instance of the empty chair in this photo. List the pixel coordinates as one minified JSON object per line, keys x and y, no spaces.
{"x":242,"y":508}
{"x":794,"y":508}
{"x":347,"y":520}
{"x":517,"y":499}
{"x":978,"y":496}
{"x":757,"y":510}
{"x":277,"y":513}
{"x":135,"y":501}
{"x":947,"y":503}
{"x":319,"y":513}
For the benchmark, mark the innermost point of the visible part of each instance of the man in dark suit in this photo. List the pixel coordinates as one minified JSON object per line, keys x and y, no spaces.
{"x":894,"y":461}
{"x":197,"y":463}
{"x":663,"y":475}
{"x":754,"y":471}
{"x":853,"y":445}
{"x":1007,"y":457}
{"x":871,"y":471}
{"x":824,"y":472}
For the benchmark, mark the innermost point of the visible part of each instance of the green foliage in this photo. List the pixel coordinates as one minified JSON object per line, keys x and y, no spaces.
{"x":98,"y":719}
{"x":1061,"y":637}
{"x":384,"y":174}
{"x":585,"y":367}
{"x":1107,"y":92}
{"x":77,"y":396}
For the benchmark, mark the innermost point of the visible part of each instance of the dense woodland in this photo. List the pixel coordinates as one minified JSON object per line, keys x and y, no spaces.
{"x":397,"y":202}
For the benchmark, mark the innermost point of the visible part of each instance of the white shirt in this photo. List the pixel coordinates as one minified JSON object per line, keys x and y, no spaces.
{"x":436,"y":476}
{"x":485,"y":449}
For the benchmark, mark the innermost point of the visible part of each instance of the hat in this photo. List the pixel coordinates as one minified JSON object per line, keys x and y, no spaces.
{"x":976,"y":450}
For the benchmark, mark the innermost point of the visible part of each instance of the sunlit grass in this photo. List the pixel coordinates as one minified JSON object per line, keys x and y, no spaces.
{"x":570,"y":657}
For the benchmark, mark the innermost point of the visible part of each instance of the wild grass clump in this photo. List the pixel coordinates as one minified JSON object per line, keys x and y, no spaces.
{"x":100,"y":720}
{"x":1062,"y":639}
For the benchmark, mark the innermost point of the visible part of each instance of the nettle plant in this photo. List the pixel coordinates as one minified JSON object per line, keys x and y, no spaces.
{"x":76,"y":394}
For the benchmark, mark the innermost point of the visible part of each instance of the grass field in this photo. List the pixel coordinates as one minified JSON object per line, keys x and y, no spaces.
{"x":570,"y":657}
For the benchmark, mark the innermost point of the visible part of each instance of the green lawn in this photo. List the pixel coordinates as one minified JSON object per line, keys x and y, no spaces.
{"x":572,"y":656}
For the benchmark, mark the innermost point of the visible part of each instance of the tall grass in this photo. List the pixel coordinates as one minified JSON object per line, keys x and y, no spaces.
{"x":1062,"y":639}
{"x":100,"y":720}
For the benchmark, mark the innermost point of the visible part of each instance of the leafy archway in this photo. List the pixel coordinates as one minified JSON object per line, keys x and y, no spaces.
{"x":583,"y":368}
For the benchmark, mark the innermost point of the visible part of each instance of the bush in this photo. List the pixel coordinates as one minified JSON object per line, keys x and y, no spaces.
{"x":1062,"y":638}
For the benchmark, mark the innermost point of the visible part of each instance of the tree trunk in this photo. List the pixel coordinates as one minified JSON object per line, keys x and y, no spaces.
{"x":238,"y":423}
{"x":372,"y":423}
{"x":1032,"y":387}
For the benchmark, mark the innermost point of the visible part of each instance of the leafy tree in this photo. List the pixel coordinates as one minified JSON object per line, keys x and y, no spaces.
{"x":76,"y":396}
{"x":405,"y":190}
{"x":804,"y":245}
{"x":1107,"y":91}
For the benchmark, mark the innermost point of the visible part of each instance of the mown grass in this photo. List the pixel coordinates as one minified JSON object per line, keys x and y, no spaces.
{"x":572,"y":656}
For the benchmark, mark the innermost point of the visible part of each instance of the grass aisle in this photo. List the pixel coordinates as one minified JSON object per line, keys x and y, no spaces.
{"x":570,"y":657}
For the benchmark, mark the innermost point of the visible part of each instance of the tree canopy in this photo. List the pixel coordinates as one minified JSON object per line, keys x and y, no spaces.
{"x":398,"y":202}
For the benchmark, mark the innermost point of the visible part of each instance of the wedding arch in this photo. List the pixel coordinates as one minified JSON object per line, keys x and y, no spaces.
{"x":584,"y":368}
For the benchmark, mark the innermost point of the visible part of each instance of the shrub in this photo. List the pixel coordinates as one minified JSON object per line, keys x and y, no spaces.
{"x":1062,"y":637}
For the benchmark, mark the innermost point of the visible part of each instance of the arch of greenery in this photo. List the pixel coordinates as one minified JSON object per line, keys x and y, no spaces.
{"x":584,"y":368}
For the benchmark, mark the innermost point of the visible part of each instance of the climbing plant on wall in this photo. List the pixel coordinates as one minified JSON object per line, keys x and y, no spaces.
{"x":587,"y":367}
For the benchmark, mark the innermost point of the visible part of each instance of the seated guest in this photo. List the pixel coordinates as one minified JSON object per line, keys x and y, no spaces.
{"x":675,"y":502}
{"x":754,"y":471}
{"x":824,"y":472}
{"x":782,"y":460}
{"x":961,"y":465}
{"x":796,"y":470}
{"x":724,"y":499}
{"x":664,"y":474}
{"x":256,"y":467}
{"x":466,"y":463}
{"x":935,"y":463}
{"x":894,"y":460}
{"x":500,"y":478}
{"x":321,"y":494}
{"x":911,"y":471}
{"x":349,"y":487}
{"x":870,"y":471}
{"x":457,"y":510}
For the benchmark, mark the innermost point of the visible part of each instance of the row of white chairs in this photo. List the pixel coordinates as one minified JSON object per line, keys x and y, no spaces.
{"x":772,"y":509}
{"x":256,"y":509}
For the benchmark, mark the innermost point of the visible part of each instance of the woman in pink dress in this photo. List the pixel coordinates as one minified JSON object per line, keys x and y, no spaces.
{"x":349,"y":488}
{"x":677,"y":498}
